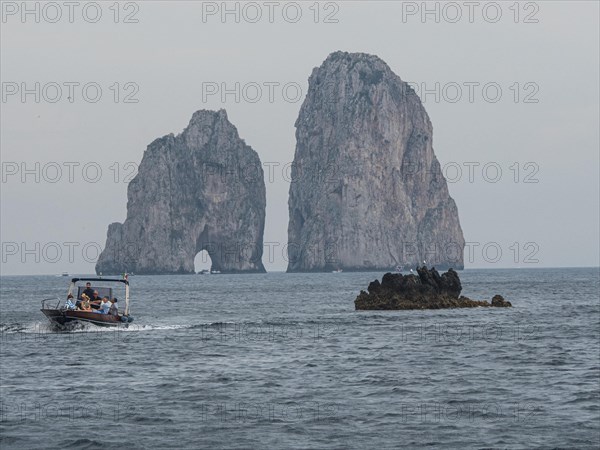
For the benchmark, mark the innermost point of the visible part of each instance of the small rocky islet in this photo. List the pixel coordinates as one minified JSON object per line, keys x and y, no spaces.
{"x":426,"y":290}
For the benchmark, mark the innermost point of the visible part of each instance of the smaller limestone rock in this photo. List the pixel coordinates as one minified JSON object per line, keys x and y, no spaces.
{"x":202,"y":190}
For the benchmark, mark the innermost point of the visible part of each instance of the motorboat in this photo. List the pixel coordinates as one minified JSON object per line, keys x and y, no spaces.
{"x":69,"y":310}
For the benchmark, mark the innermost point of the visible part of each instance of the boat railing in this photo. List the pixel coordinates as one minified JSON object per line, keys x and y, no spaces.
{"x":48,"y":300}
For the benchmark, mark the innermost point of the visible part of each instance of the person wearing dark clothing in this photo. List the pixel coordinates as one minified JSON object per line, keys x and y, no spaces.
{"x":95,"y":300}
{"x":88,"y":290}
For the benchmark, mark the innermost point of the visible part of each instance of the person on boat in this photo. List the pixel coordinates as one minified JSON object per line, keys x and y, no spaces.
{"x":96,"y":300}
{"x":104,"y":306}
{"x":69,"y":303}
{"x":88,"y":290}
{"x":114,"y":309}
{"x":84,"y":305}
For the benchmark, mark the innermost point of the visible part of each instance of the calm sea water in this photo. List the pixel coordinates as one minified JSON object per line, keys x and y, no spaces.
{"x":284,"y":361}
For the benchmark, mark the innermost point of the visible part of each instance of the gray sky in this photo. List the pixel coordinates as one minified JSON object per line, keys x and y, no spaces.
{"x":528,"y":105}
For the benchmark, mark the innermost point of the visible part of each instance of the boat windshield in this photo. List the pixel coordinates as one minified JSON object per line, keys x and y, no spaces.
{"x":102,"y":291}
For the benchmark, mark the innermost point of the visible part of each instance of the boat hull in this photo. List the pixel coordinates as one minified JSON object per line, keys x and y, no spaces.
{"x":62,"y":317}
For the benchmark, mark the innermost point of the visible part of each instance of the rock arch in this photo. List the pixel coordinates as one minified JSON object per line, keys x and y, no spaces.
{"x":202,"y":261}
{"x":193,"y":192}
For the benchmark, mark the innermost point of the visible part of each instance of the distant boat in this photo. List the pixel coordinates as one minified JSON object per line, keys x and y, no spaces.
{"x":208,"y":272}
{"x":337,"y":271}
{"x":65,"y":274}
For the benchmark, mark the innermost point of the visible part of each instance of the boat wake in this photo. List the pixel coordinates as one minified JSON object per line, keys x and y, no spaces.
{"x":86,"y":327}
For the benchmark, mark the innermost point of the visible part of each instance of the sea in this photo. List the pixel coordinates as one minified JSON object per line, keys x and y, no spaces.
{"x":284,"y":361}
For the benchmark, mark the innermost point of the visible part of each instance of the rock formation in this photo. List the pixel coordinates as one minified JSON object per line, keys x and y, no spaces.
{"x":498,"y":300}
{"x":428,"y":290}
{"x":367,"y":192}
{"x":200,"y":190}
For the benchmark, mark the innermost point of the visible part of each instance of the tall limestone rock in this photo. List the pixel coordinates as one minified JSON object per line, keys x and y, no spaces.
{"x":200,"y":190}
{"x":367,"y":192}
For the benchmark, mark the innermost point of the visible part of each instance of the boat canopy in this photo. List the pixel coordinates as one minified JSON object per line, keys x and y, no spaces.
{"x":110,"y":280}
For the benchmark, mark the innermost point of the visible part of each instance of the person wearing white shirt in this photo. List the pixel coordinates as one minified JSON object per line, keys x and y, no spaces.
{"x":104,"y":306}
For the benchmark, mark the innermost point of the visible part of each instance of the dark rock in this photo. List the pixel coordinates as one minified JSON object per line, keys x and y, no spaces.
{"x":451,"y":282}
{"x":499,"y":301}
{"x":374,"y":286}
{"x":428,"y":290}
